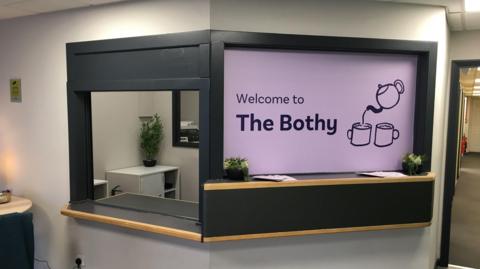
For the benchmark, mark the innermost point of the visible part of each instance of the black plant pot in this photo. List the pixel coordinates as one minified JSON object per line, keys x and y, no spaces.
{"x":416,"y":171}
{"x":235,"y":174}
{"x":149,"y":163}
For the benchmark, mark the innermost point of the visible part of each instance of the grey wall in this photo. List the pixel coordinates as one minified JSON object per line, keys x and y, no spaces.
{"x":190,"y":109}
{"x":115,"y":128}
{"x":34,"y":134}
{"x":185,"y":158}
{"x":464,"y":45}
{"x":416,"y":248}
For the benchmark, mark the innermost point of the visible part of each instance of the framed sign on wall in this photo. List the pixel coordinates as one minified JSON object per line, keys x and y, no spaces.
{"x":302,"y":111}
{"x":294,"y":104}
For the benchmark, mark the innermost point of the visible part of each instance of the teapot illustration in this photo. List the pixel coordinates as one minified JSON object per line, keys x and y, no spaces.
{"x":387,"y":97}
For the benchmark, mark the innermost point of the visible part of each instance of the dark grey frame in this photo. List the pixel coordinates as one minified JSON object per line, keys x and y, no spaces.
{"x":107,"y":66}
{"x":451,"y":156}
{"x":424,"y":99}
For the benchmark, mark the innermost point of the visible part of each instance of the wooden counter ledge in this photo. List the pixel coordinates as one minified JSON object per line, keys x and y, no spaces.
{"x":315,"y":182}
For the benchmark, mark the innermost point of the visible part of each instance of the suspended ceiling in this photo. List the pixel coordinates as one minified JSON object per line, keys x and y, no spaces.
{"x":470,"y":81}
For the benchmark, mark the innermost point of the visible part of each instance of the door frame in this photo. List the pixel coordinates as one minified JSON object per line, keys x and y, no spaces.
{"x":451,"y":156}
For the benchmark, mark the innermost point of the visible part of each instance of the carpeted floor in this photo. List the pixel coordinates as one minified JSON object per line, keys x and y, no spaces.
{"x":465,"y":232}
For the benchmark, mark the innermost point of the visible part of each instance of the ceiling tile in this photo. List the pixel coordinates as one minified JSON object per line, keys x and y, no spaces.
{"x":451,"y":5}
{"x":455,"y":21}
{"x":472,"y":21}
{"x":454,"y":5}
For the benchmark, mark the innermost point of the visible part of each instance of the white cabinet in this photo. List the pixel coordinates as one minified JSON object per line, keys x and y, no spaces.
{"x":100,"y":189}
{"x":160,"y":180}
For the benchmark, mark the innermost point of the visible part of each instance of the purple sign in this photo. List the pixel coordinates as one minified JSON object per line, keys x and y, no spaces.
{"x":290,"y":111}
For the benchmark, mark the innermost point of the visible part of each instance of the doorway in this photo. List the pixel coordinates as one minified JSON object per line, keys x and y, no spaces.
{"x":461,"y":202}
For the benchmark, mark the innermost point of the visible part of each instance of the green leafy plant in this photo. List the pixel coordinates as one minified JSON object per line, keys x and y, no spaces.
{"x":236,"y":168}
{"x":151,"y":134}
{"x":412,"y":164}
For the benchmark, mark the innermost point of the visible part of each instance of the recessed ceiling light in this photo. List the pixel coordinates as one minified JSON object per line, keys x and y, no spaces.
{"x":476,"y":87}
{"x":472,"y":6}
{"x":477,"y":80}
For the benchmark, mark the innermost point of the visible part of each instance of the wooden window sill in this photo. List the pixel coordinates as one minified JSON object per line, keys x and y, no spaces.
{"x":132,"y":219}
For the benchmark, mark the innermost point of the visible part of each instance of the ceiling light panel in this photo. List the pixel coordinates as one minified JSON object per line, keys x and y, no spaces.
{"x":472,"y":6}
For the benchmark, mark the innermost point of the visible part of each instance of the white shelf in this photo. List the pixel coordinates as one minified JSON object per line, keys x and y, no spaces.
{"x":170,"y":190}
{"x":144,"y":171}
{"x":98,"y":182}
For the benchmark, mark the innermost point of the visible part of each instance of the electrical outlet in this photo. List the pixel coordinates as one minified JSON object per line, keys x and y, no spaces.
{"x":82,"y":259}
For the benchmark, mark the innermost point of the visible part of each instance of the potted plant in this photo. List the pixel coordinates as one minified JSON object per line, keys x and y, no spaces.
{"x":412,"y":164}
{"x":236,"y":168}
{"x":151,"y":134}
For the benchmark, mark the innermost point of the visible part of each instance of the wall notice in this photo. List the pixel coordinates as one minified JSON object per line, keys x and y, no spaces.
{"x":16,"y":90}
{"x":290,"y":111}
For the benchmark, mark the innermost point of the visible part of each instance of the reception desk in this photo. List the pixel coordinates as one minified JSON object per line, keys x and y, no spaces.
{"x":315,"y":204}
{"x":275,"y":138}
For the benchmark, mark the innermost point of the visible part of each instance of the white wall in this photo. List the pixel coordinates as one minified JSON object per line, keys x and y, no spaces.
{"x":34,"y":134}
{"x":393,"y":249}
{"x":115,"y":131}
{"x":474,"y":125}
{"x":34,"y":145}
{"x":185,"y":158}
{"x":189,"y":106}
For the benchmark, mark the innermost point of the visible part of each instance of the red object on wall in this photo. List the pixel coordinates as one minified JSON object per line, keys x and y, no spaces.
{"x":463,"y":145}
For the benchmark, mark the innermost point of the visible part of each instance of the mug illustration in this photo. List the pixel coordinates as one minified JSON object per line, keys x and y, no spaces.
{"x":360,"y":134}
{"x":385,"y":133}
{"x":387,"y":97}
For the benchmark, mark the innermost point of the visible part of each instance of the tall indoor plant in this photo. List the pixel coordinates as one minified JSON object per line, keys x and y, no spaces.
{"x":151,"y":134}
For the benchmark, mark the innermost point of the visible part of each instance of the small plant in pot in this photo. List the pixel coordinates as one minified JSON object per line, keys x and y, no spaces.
{"x":151,"y":134}
{"x":236,"y":168}
{"x":412,"y":164}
